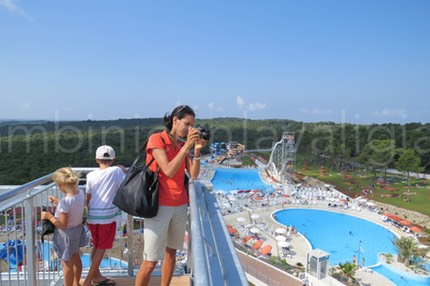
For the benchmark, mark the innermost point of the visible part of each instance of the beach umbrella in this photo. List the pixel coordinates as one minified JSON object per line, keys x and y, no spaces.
{"x":266,"y":249}
{"x":254,"y":230}
{"x":280,"y":238}
{"x":283,"y":244}
{"x":405,"y":222}
{"x":247,"y":238}
{"x":232,"y":230}
{"x":415,"y":229}
{"x":241,"y":219}
{"x":255,"y":216}
{"x":281,"y":230}
{"x":257,"y":244}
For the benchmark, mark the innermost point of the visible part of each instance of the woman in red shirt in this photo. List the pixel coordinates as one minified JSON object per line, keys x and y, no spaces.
{"x":164,"y":233}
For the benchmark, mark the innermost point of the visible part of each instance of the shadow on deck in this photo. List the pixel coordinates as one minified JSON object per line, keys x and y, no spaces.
{"x":155,"y":281}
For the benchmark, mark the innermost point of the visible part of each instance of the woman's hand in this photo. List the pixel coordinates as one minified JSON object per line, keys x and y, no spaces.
{"x":200,"y":143}
{"x":192,"y":137}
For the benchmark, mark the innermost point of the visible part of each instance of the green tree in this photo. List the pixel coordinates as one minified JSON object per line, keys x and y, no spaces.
{"x":339,"y":154}
{"x":379,"y":154}
{"x":409,"y":162}
{"x":406,"y":247}
{"x":348,"y":269}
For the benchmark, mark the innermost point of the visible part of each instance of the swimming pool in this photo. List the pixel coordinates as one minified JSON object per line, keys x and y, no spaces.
{"x":340,"y":235}
{"x":108,"y":262}
{"x":401,"y":278}
{"x":343,"y":236}
{"x":239,"y":179}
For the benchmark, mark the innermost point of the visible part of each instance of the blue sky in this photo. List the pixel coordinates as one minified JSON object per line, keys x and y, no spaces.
{"x":357,"y":61}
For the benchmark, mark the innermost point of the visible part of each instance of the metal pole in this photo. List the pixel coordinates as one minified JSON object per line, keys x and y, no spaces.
{"x":130,"y":239}
{"x":199,"y":270}
{"x":358,"y":255}
{"x":30,"y":240}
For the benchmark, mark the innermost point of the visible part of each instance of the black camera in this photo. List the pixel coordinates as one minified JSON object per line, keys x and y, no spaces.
{"x":204,"y":134}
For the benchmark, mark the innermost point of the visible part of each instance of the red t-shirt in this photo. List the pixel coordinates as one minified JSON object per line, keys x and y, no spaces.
{"x":172,"y":191}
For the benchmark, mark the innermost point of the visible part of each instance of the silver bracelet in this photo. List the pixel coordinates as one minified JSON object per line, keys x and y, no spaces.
{"x":197,"y":158}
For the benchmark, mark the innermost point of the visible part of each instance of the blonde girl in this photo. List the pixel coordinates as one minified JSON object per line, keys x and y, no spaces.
{"x":69,"y":234}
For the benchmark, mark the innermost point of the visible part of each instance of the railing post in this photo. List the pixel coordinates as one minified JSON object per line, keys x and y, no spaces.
{"x":30,"y":241}
{"x":199,"y":263}
{"x":130,"y":238}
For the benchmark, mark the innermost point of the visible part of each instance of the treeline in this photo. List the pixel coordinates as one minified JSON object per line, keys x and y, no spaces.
{"x":29,"y":150}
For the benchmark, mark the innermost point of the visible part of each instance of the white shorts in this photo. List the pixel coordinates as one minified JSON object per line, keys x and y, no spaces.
{"x":166,"y":229}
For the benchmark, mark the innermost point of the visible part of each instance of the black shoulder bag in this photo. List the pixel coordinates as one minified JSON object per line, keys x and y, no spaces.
{"x":138,"y":193}
{"x":47,"y":226}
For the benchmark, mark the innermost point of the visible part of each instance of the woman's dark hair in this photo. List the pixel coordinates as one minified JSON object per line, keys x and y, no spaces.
{"x":180,"y":112}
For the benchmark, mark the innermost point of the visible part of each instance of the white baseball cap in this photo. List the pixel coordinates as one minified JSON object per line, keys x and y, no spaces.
{"x":105,"y":152}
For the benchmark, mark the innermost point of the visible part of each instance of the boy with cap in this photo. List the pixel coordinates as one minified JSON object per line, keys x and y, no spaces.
{"x":102,"y":185}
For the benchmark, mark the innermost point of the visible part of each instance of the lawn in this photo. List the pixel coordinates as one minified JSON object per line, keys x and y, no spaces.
{"x":396,"y":192}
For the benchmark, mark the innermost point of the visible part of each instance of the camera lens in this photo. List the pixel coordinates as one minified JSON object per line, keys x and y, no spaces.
{"x":204,"y":134}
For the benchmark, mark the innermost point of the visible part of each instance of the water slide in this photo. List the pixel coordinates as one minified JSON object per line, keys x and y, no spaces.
{"x":259,"y":164}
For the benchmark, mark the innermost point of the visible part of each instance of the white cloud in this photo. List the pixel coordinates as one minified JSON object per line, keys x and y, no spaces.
{"x":12,"y":6}
{"x":249,"y":106}
{"x":240,"y":102}
{"x":213,"y":107}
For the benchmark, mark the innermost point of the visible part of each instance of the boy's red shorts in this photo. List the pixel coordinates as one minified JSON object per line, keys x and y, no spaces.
{"x":103,"y":235}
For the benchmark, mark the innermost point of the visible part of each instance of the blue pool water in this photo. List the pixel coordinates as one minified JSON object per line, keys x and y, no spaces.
{"x":108,"y":262}
{"x":401,"y":278}
{"x":344,"y":236}
{"x":239,"y":179}
{"x":340,"y":235}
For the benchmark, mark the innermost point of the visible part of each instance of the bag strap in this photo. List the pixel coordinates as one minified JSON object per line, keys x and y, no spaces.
{"x":140,"y":155}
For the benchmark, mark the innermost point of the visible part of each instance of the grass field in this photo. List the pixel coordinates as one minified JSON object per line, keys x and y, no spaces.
{"x":396,"y":192}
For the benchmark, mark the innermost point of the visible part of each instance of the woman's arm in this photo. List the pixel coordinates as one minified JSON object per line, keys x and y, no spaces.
{"x":171,"y":167}
{"x":193,"y":163}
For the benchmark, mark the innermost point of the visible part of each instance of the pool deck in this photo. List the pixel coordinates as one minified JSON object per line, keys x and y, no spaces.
{"x":300,"y":245}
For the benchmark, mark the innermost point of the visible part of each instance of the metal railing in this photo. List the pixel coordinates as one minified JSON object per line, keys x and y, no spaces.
{"x":24,"y":260}
{"x":213,"y":258}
